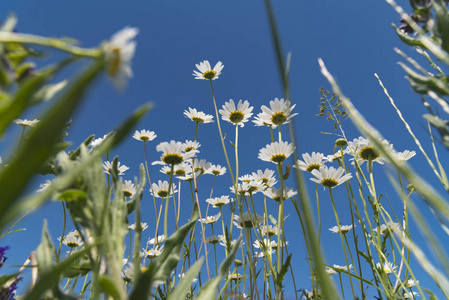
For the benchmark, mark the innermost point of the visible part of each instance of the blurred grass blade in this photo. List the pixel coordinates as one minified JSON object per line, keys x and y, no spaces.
{"x":45,"y":252}
{"x":185,"y":284}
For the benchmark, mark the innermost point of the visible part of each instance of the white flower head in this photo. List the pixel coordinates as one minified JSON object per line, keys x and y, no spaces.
{"x":200,"y":166}
{"x":266,"y":177}
{"x":411,"y":283}
{"x":330,"y":271}
{"x":270,"y":230}
{"x":311,"y":162}
{"x":236,"y":115}
{"x":388,"y":267}
{"x":142,"y":225}
{"x":119,"y":52}
{"x":198,"y":116}
{"x":97,"y":141}
{"x":128,"y":188}
{"x":72,"y":239}
{"x":155,"y":252}
{"x":157,"y":240}
{"x":404,"y":156}
{"x":247,"y":220}
{"x":206,"y":72}
{"x":276,"y":152}
{"x":160,"y":189}
{"x":190,"y":145}
{"x":330,"y":177}
{"x":342,"y":268}
{"x":179,"y":170}
{"x":210,"y":219}
{"x":344,"y":229}
{"x":247,"y":188}
{"x":365,"y":150}
{"x":279,"y":112}
{"x":218,"y":201}
{"x":411,"y":295}
{"x":144,"y":135}
{"x":214,"y":239}
{"x":172,"y":153}
{"x":26,"y":123}
{"x":107,"y":166}
{"x":275,"y":193}
{"x":216,"y":170}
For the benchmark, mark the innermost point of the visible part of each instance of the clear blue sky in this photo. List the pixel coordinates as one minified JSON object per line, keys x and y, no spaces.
{"x":354,"y":38}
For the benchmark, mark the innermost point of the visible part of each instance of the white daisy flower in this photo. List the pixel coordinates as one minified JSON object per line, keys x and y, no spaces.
{"x":179,"y":170}
{"x":330,"y":271}
{"x":142,"y":225}
{"x":144,"y":135}
{"x":411,"y":283}
{"x":210,"y":219}
{"x":247,"y":220}
{"x":275,"y":193}
{"x":276,"y":152}
{"x":214,"y":239}
{"x":206,"y":72}
{"x":128,"y":188}
{"x":198,"y":116}
{"x":107,"y":166}
{"x":263,"y":120}
{"x":330,"y":177}
{"x":247,"y":188}
{"x":390,"y":225}
{"x":218,"y":201}
{"x":270,"y":245}
{"x":246,"y":178}
{"x":336,"y":155}
{"x":404,"y":156}
{"x":311,"y":162}
{"x":233,"y":243}
{"x":72,"y":240}
{"x":216,"y":170}
{"x":236,"y":115}
{"x":279,"y":112}
{"x":270,"y":230}
{"x":172,"y":153}
{"x":26,"y":123}
{"x":342,"y":268}
{"x":200,"y":166}
{"x":44,"y":185}
{"x":266,"y":177}
{"x":387,"y":267}
{"x":160,"y":189}
{"x":365,"y":150}
{"x":155,"y":252}
{"x":344,"y":229}
{"x":191,"y":145}
{"x":189,"y":176}
{"x":97,"y":142}
{"x":410,"y":295}
{"x":119,"y":52}
{"x":158,"y":240}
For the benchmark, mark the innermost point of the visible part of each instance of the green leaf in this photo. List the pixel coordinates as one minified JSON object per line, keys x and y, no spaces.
{"x":37,"y":149}
{"x":109,"y":286}
{"x":442,"y":22}
{"x":284,"y":269}
{"x":186,"y":282}
{"x":442,"y":126}
{"x":47,"y":92}
{"x":72,"y":195}
{"x":408,"y":39}
{"x":45,"y":252}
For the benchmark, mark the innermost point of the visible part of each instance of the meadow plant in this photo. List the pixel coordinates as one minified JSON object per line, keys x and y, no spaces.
{"x":233,"y":246}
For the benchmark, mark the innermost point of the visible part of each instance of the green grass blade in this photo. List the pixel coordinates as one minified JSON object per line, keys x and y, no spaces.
{"x":185,"y":284}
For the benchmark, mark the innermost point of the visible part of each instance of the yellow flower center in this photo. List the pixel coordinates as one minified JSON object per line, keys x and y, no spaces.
{"x":279,"y":118}
{"x":172,"y":159}
{"x":209,"y":74}
{"x":278,"y":158}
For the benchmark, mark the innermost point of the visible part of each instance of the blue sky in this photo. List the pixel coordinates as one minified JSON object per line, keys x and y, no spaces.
{"x":355,"y":40}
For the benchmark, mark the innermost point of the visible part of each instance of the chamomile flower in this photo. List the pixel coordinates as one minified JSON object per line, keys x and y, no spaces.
{"x":343,"y":228}
{"x":97,"y":142}
{"x":271,"y":245}
{"x":311,"y":162}
{"x":246,"y":178}
{"x":270,"y":230}
{"x":172,"y":153}
{"x":178,"y":170}
{"x":210,"y":219}
{"x":232,"y":245}
{"x":189,"y":176}
{"x":275,"y":193}
{"x":216,"y":170}
{"x":144,"y":135}
{"x":72,"y":240}
{"x":266,"y":177}
{"x":155,"y":252}
{"x":236,"y":115}
{"x":410,"y":295}
{"x":142,"y":225}
{"x":279,"y":112}
{"x":160,"y":189}
{"x":330,"y":271}
{"x":342,"y":268}
{"x":247,"y":220}
{"x":206,"y":72}
{"x":218,"y":201}
{"x":411,"y":283}
{"x":404,"y":156}
{"x":198,"y":116}
{"x":26,"y":123}
{"x":388,"y":267}
{"x":107,"y":166}
{"x":214,"y":239}
{"x":157,"y":240}
{"x":191,"y":145}
{"x":365,"y":150}
{"x":200,"y":166}
{"x":128,"y":188}
{"x":119,"y":52}
{"x":330,"y":177}
{"x":247,"y":188}
{"x":276,"y":152}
